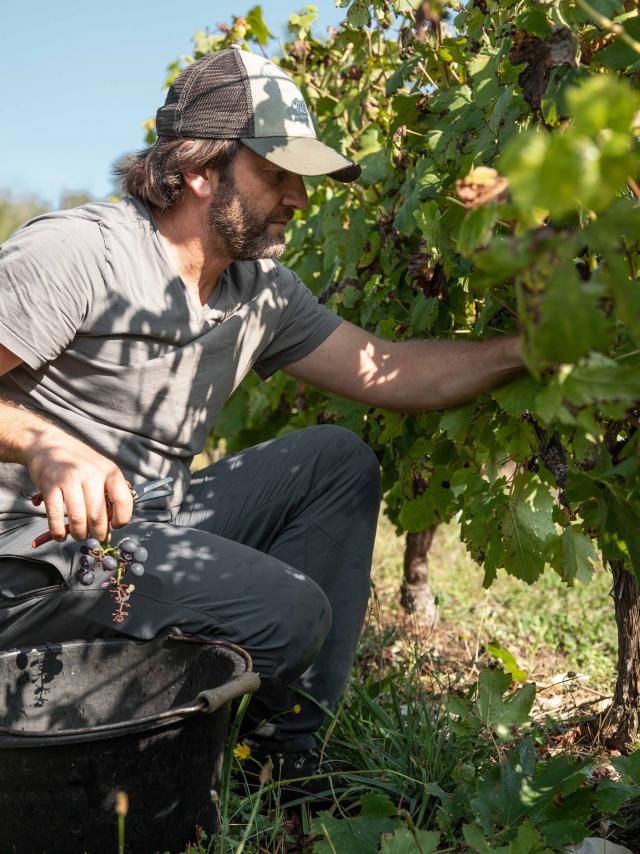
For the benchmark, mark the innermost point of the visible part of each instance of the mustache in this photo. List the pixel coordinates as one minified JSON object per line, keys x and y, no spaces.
{"x":285,"y":216}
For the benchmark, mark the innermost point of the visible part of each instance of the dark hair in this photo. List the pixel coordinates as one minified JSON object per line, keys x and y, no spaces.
{"x":155,"y":174}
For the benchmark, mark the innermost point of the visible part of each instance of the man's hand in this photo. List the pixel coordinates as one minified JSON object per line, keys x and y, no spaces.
{"x":73,"y":478}
{"x":76,"y":480}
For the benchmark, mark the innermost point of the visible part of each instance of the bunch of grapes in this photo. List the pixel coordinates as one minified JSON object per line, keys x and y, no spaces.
{"x":128,"y":556}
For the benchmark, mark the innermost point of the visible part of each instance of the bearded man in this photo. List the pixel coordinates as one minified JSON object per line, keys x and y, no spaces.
{"x":124,"y":327}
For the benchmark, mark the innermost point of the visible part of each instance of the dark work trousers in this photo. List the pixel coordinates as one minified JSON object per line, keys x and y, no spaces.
{"x":271,"y":550}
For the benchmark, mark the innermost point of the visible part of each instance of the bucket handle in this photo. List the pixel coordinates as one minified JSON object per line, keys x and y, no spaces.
{"x":247,"y":683}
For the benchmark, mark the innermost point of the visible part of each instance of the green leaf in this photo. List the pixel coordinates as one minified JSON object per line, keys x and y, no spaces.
{"x":358,"y":14}
{"x":428,"y":217}
{"x":377,"y":805}
{"x":483,"y":68}
{"x":456,"y":421}
{"x":628,"y":766}
{"x":475,"y":838}
{"x":528,"y":841}
{"x":359,"y":835}
{"x":534,"y":21}
{"x":509,"y":662}
{"x":421,"y":183}
{"x":518,"y":396}
{"x":527,"y":525}
{"x":418,"y":515}
{"x":603,"y":102}
{"x":550,"y":171}
{"x":612,"y":795}
{"x":502,"y":258}
{"x":571,"y":322}
{"x":518,"y":787}
{"x":579,"y":555}
{"x":350,"y":296}
{"x":396,"y":80}
{"x":424,"y":313}
{"x":619,"y":55}
{"x":500,"y":107}
{"x":477,"y":228}
{"x":259,"y":30}
{"x":374,"y":168}
{"x":501,"y":714}
{"x":393,"y":426}
{"x":403,"y":841}
{"x":602,"y":379}
{"x":621,"y":534}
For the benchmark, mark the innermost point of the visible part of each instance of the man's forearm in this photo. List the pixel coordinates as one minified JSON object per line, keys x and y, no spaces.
{"x":407,"y":375}
{"x":437,"y":374}
{"x":20,"y":430}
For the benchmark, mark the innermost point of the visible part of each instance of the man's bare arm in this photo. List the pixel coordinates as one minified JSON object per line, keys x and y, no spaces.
{"x":409,"y":376}
{"x":72,"y":477}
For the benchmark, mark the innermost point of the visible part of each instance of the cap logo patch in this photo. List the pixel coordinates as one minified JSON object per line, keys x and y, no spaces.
{"x":298,"y":111}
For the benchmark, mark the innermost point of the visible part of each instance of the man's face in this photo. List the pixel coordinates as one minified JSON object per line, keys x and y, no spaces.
{"x":252,"y":204}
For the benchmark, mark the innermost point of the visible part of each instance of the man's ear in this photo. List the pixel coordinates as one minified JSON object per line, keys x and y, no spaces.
{"x":203,"y":184}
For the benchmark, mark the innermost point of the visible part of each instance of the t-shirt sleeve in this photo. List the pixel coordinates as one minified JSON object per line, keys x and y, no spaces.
{"x":48,"y":270}
{"x":303,"y":325}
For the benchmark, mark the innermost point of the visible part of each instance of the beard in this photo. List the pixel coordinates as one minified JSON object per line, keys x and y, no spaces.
{"x":244,"y":234}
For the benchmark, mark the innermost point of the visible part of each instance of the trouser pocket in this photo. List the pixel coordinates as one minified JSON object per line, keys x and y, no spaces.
{"x":23,"y":579}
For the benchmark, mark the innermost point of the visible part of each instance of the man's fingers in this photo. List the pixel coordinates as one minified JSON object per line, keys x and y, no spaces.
{"x":96,"y":506}
{"x":54,"y":505}
{"x":76,"y":511}
{"x":120,"y":498}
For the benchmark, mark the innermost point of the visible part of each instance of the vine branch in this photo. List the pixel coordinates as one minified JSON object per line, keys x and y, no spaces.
{"x":608,"y":24}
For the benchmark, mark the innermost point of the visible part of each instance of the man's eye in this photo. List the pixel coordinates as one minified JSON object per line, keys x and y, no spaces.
{"x":278,"y":176}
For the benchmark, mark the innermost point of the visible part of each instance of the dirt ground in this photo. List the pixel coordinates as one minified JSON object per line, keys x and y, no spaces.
{"x":454,"y":646}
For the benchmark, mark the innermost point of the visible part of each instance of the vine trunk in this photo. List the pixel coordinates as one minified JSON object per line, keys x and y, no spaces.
{"x":624,"y":715}
{"x":416,"y":596}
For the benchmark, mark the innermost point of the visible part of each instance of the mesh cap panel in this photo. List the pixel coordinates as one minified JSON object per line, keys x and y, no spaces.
{"x":210,"y":99}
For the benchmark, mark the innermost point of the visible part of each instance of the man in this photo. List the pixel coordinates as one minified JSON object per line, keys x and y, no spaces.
{"x":124,"y":328}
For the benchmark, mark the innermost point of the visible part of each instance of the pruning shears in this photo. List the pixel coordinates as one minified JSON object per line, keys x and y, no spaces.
{"x":146,"y":491}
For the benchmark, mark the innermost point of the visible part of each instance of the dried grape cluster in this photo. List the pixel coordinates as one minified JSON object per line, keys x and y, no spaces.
{"x":128,"y":556}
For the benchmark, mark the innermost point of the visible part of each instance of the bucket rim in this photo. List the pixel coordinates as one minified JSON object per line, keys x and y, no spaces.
{"x":12,"y":737}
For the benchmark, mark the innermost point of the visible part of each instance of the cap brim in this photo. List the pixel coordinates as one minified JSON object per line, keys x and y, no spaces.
{"x":304,"y":155}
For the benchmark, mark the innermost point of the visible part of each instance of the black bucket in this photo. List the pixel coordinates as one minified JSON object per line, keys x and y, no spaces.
{"x":83,"y":720}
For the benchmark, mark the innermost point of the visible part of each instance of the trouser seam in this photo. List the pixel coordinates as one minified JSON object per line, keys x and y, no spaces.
{"x":333,"y":539}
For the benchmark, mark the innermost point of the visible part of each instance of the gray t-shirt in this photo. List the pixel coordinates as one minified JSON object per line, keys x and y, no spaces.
{"x":117,"y":352}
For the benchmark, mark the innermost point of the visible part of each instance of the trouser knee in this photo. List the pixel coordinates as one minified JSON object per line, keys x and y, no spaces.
{"x":297,"y":635}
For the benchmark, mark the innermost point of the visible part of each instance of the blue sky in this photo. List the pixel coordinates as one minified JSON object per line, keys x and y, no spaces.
{"x":77,"y":78}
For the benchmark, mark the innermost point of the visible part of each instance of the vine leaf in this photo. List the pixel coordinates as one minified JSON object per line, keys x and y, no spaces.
{"x":508,"y":661}
{"x":527,"y":526}
{"x":495,"y":708}
{"x":404,"y":842}
{"x":360,"y":835}
{"x":578,"y":555}
{"x":514,"y":790}
{"x":517,"y":397}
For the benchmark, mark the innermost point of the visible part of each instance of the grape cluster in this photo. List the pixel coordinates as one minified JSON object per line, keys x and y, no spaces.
{"x":128,"y":556}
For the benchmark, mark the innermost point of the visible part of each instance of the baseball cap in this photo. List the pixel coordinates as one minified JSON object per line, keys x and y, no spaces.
{"x":236,"y":94}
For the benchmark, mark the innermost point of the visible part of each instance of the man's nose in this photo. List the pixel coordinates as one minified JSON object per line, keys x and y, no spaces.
{"x":295,"y":194}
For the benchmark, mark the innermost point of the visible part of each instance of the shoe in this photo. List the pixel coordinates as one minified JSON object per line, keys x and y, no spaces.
{"x":303,"y":774}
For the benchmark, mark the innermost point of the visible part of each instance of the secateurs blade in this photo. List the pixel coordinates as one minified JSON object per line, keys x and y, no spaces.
{"x":152,"y":489}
